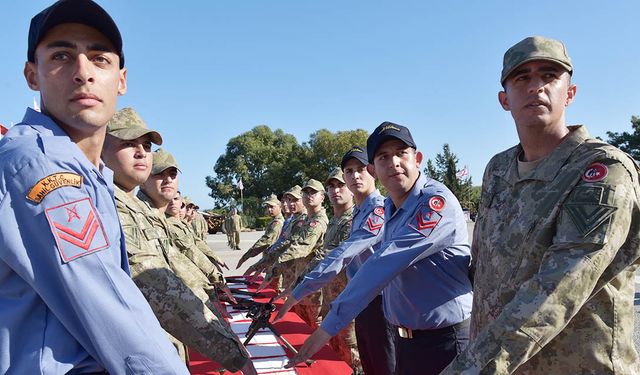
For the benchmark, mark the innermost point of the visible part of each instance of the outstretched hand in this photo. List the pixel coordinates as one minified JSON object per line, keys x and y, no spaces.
{"x":314,"y":343}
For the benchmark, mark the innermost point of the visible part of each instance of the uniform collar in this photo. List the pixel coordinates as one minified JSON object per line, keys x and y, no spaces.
{"x":42,"y":123}
{"x":548,"y":168}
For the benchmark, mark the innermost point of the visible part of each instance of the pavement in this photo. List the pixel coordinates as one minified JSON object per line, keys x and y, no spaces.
{"x":218,"y":243}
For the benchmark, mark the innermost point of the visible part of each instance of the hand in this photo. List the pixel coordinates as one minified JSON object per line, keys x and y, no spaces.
{"x":316,"y":341}
{"x":227,"y":292}
{"x":265,"y":283}
{"x":242,"y":260}
{"x":289,"y":303}
{"x":248,"y":368}
{"x":284,"y":293}
{"x":224,"y":265}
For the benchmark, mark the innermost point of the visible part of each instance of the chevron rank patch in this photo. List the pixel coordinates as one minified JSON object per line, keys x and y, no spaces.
{"x":375,"y":221}
{"x":77,"y":229}
{"x":426,"y":219}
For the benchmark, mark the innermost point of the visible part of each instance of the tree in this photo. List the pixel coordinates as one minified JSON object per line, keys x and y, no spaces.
{"x":267,"y":162}
{"x":325,"y":149}
{"x":445,"y":169}
{"x":628,"y":142}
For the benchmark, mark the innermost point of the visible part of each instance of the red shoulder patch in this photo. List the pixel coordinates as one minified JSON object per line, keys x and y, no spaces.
{"x":436,"y":203}
{"x":374,"y":222}
{"x":379,"y":211}
{"x":77,"y":229}
{"x":596,"y":172}
{"x":313,"y":224}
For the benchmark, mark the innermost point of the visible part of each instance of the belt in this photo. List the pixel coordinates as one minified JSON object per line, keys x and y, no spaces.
{"x":408,"y":333}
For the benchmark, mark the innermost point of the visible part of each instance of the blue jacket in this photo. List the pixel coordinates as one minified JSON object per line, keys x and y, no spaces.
{"x":67,"y":302}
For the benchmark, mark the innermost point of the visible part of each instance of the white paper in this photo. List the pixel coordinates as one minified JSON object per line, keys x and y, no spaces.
{"x":260,"y":338}
{"x":265,"y":350}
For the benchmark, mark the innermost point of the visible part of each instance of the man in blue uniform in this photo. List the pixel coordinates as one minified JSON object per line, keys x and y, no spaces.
{"x":374,"y":335}
{"x":422,"y":264}
{"x":67,"y":302}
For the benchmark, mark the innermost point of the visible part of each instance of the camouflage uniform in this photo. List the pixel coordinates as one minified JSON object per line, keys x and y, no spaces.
{"x":270,"y":236}
{"x":295,"y":255}
{"x":200,"y":226}
{"x":555,"y":253}
{"x":184,"y":239}
{"x":180,"y":264}
{"x":178,"y":308}
{"x":295,"y":226}
{"x":235,"y":224}
{"x":344,"y":343}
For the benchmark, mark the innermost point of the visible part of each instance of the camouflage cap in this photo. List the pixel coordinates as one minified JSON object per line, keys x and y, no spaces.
{"x":272,"y":201}
{"x":535,"y":48}
{"x":163,"y":160}
{"x":314,"y":185}
{"x":335,"y":174}
{"x":126,"y":124}
{"x":295,"y":192}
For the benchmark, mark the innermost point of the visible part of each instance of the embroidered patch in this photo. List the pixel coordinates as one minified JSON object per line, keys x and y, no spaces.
{"x":52,"y":182}
{"x":300,"y":223}
{"x":425,"y":220}
{"x":588,"y":217}
{"x":596,"y":172}
{"x":436,"y":203}
{"x":77,"y":229}
{"x":313,"y":224}
{"x":379,"y":211}
{"x":374,"y":222}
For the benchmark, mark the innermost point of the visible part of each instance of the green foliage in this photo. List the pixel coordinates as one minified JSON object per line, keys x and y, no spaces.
{"x":262,"y":221}
{"x":444,"y":169}
{"x":325,"y":149}
{"x":272,"y":162}
{"x":628,"y":142}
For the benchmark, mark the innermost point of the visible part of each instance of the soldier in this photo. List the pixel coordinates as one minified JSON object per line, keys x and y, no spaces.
{"x":127,"y":151}
{"x":67,"y":301}
{"x":193,"y":247}
{"x":227,"y":230}
{"x":422,"y":264}
{"x":375,"y":336}
{"x":293,"y":199}
{"x":271,"y":233}
{"x":556,"y":244}
{"x":198,"y":222}
{"x":292,"y":257}
{"x":235,"y":225}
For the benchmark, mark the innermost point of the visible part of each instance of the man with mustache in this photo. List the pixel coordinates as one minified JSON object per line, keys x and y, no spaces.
{"x":422,"y":266}
{"x":67,"y":301}
{"x":557,"y":240}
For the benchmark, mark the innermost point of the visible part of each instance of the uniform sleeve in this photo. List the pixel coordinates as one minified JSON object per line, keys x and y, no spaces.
{"x":360,"y":240}
{"x":206,"y":250}
{"x":78,"y":274}
{"x":304,"y":243}
{"x":407,"y":246}
{"x":594,"y":223}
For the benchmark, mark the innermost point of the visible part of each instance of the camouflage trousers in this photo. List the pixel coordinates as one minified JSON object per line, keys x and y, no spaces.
{"x":309,"y":313}
{"x":344,"y":343}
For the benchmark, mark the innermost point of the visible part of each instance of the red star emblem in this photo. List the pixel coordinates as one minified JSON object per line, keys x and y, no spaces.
{"x":73,"y":213}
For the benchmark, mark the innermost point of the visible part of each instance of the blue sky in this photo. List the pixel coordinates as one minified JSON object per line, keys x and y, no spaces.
{"x":201,"y":72}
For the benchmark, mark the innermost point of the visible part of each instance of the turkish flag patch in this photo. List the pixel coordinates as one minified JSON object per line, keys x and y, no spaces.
{"x":436,"y":203}
{"x":375,"y":221}
{"x":425,"y":220}
{"x":77,"y":229}
{"x":596,"y":172}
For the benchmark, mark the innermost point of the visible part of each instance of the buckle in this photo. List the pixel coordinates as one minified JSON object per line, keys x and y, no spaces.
{"x":405,"y":333}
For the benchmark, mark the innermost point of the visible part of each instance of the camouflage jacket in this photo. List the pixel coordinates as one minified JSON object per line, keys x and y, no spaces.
{"x":180,"y":264}
{"x":200,"y":226}
{"x":338,"y":230}
{"x":270,"y":236}
{"x":179,"y":309}
{"x":235,"y":223}
{"x":555,"y":253}
{"x":184,"y":239}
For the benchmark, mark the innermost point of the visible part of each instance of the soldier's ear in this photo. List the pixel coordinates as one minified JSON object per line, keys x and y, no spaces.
{"x":31,"y":76}
{"x":372,"y":170}
{"x":502,"y":98}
